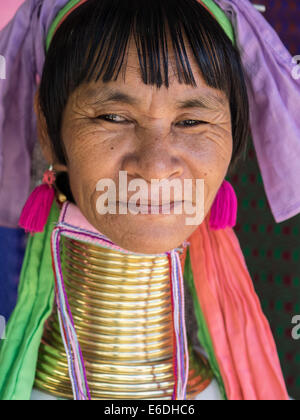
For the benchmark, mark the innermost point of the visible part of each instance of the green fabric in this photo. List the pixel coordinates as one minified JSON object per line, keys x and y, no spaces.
{"x":19,"y":351}
{"x":58,"y":18}
{"x":221,"y":18}
{"x":212,"y":6}
{"x":203,"y":334}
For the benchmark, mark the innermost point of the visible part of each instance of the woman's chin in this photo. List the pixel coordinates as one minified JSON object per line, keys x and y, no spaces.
{"x":144,"y":234}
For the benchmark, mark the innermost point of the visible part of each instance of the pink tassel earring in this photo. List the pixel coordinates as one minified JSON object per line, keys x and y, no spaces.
{"x":36,"y":211}
{"x":224,"y":209}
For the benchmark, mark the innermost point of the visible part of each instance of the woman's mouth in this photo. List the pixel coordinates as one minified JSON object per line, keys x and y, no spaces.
{"x":151,"y":208}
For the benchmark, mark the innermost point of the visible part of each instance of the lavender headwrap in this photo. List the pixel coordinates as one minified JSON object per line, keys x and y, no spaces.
{"x":22,"y":44}
{"x":274,"y":96}
{"x":274,"y":101}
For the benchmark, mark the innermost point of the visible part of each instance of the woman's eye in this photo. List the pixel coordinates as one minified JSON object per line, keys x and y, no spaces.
{"x":112,"y":118}
{"x":192,"y":123}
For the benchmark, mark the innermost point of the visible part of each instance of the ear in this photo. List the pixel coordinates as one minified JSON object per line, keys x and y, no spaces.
{"x":44,"y":139}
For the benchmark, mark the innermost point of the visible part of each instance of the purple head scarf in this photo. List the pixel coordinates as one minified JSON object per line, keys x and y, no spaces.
{"x":22,"y":44}
{"x":274,"y":96}
{"x":274,"y":102}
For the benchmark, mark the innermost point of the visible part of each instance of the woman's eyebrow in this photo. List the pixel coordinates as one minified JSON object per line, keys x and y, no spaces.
{"x":209,"y":101}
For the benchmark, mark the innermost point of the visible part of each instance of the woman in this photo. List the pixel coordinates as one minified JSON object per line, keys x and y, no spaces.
{"x":179,"y":112}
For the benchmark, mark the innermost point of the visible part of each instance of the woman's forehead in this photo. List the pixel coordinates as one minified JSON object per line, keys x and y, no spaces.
{"x":167,"y":58}
{"x":129,"y":86}
{"x":153,"y":101}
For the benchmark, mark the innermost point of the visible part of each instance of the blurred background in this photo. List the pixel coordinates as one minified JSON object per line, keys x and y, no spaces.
{"x":272,"y":251}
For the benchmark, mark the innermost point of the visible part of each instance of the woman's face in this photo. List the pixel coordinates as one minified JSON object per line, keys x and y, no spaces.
{"x":150,"y":138}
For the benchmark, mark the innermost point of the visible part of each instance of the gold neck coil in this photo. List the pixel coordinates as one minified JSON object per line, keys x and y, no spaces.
{"x":121,"y":306}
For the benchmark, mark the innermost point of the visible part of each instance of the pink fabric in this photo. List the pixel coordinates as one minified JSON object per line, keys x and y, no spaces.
{"x":37,"y":208}
{"x":71,"y":215}
{"x":224,"y":208}
{"x":242,"y":339}
{"x":7,"y":11}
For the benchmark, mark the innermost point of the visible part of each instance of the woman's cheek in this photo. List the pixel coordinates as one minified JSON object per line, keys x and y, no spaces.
{"x":211,"y":164}
{"x":86,"y":168}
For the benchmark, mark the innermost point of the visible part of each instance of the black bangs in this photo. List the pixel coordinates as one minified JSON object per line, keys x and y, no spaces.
{"x":92,"y":44}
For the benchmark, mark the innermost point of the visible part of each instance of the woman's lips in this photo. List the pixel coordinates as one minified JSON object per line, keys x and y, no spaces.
{"x":147,"y":208}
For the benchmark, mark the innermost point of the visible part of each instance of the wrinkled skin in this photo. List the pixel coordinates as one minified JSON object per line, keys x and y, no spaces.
{"x":156,"y":141}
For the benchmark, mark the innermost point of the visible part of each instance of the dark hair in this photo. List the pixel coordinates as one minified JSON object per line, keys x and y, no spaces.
{"x":92,"y":42}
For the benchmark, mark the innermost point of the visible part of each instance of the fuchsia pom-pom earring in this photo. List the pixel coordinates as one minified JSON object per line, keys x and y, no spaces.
{"x":36,"y":211}
{"x":224,"y":209}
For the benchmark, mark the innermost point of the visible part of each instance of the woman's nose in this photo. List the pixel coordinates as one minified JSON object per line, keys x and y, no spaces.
{"x":154,"y":158}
